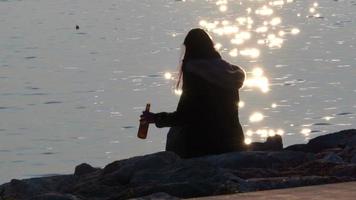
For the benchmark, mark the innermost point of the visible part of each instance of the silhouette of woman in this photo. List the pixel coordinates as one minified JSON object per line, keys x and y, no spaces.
{"x":206,"y":119}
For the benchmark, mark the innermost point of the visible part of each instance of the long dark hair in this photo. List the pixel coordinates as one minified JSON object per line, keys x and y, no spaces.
{"x":198,"y":45}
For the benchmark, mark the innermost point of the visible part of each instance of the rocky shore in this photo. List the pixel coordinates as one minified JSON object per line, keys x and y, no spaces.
{"x":326,"y":159}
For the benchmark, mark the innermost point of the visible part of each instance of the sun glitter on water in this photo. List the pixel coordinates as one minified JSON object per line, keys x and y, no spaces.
{"x":258,"y":80}
{"x":254,"y":27}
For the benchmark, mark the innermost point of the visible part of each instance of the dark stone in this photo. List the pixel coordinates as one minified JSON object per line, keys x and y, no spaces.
{"x":332,"y":157}
{"x":298,"y":147}
{"x":348,"y":170}
{"x":353,"y":160}
{"x":120,"y":172}
{"x":55,"y":196}
{"x":258,"y":159}
{"x":159,"y":159}
{"x":83,"y":169}
{"x":163,"y":175}
{"x":342,"y":139}
{"x":335,"y":140}
{"x":273,"y":143}
{"x":247,"y":173}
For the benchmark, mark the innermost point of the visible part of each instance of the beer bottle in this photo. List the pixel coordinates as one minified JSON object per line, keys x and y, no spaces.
{"x":143,"y":128}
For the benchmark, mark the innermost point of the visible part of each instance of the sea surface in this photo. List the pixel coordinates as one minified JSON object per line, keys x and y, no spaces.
{"x":69,"y":96}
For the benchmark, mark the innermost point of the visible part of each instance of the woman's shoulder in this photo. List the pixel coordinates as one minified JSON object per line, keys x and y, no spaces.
{"x":216,"y":65}
{"x":217,"y":71}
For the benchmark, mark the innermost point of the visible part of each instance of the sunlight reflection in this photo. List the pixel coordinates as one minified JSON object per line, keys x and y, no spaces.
{"x":256,"y":117}
{"x":222,"y":5}
{"x":167,"y":75}
{"x":241,"y":104}
{"x":313,"y":10}
{"x":250,"y":52}
{"x":265,"y":132}
{"x":275,"y":21}
{"x":248,"y":141}
{"x":328,"y":118}
{"x":263,"y":28}
{"x":295,"y":31}
{"x":218,"y":46}
{"x":249,"y":133}
{"x":223,"y":8}
{"x":280,"y":132}
{"x":178,"y":92}
{"x":264,"y":11}
{"x":277,"y":3}
{"x":233,"y":52}
{"x":258,"y":80}
{"x":305,"y":131}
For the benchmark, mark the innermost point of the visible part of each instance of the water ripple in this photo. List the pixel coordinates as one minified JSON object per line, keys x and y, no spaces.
{"x":53,"y":102}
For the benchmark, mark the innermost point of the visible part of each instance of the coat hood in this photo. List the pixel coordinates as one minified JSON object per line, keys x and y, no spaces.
{"x":217,"y":71}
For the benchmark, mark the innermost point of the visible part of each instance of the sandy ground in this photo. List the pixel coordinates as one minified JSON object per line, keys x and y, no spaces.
{"x":340,"y":191}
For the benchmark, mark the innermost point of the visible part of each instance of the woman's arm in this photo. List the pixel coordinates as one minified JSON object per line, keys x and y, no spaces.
{"x":185,"y":114}
{"x":162,"y":119}
{"x":165,"y":119}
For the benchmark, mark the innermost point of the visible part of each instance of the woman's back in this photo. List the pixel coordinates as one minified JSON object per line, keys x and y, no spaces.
{"x":210,"y":105}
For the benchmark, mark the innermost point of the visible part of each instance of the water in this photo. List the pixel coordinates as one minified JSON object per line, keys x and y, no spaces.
{"x":69,"y":96}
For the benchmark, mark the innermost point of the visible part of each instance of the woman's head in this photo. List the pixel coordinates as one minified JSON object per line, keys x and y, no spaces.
{"x":198,"y":45}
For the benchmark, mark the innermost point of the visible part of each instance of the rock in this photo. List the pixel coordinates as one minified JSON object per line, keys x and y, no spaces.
{"x":348,"y":170}
{"x":83,"y":168}
{"x":313,"y":168}
{"x":334,"y":140}
{"x":298,"y":147}
{"x":353,"y":160}
{"x":332,"y":157}
{"x":247,"y":173}
{"x":120,"y":172}
{"x":328,"y":154}
{"x":189,"y":179}
{"x":347,"y":153}
{"x":163,"y":175}
{"x":24,"y":189}
{"x":259,"y":159}
{"x":273,"y":143}
{"x":156,"y":160}
{"x":55,"y":196}
{"x":342,"y":139}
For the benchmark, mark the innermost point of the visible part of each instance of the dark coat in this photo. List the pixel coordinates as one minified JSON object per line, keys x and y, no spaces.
{"x":206,"y":120}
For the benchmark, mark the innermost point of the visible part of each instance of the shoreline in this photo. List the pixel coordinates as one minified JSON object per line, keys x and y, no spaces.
{"x":325,"y":159}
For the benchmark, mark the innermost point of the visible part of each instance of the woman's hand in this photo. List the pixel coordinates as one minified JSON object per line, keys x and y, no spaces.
{"x":147,"y":117}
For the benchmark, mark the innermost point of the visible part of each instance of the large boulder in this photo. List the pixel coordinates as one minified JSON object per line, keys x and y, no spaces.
{"x":258,"y":159}
{"x":55,"y":196}
{"x":83,"y":169}
{"x":345,"y":138}
{"x":23,"y":189}
{"x":121,"y":172}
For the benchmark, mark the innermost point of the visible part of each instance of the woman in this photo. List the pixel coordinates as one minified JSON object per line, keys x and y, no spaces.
{"x":206,"y":120}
